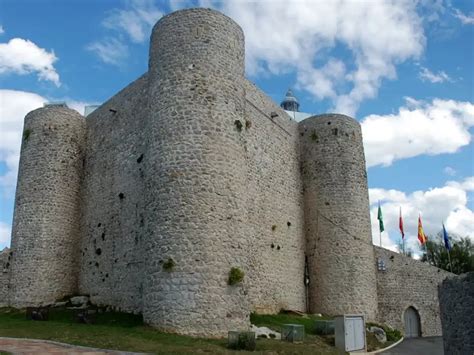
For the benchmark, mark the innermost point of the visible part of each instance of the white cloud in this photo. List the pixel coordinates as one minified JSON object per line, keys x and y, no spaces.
{"x":466,"y":185}
{"x":439,"y":77}
{"x":446,"y":204}
{"x":14,"y":105}
{"x":465,"y":19}
{"x":133,"y":23}
{"x":5,"y":233}
{"x":22,"y":56}
{"x":283,"y":36}
{"x":441,"y":126}
{"x":136,"y":20}
{"x":449,"y":171}
{"x":110,"y":50}
{"x":2,"y":30}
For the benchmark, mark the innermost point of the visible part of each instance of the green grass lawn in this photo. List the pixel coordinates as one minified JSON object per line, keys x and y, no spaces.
{"x":276,"y":321}
{"x":126,"y":332}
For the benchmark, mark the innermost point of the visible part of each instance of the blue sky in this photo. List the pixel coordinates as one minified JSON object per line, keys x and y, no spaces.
{"x":404,"y":69}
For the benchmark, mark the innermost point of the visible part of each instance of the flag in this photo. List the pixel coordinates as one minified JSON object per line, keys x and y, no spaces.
{"x":421,"y":235}
{"x":446,"y":239}
{"x":380,"y":218}
{"x":400,"y":224}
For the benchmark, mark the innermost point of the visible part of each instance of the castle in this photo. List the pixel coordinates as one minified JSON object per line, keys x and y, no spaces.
{"x":149,"y":202}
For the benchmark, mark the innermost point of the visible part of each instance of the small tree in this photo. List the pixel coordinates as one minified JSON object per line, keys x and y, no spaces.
{"x":462,"y":254}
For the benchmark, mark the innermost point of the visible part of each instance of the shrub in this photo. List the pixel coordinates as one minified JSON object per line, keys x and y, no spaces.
{"x":169,"y":265}
{"x":392,"y":334}
{"x":235,"y":276}
{"x":238,"y":125}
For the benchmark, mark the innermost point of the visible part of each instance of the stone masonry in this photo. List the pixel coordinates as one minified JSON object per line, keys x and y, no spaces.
{"x":456,"y":295}
{"x":191,"y":170}
{"x":408,"y":283}
{"x":5,"y":258}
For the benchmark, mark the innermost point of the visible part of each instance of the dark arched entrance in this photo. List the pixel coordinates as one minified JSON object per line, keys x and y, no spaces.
{"x":412,"y":323}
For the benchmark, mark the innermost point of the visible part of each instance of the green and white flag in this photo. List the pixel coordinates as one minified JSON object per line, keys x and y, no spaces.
{"x":380,"y":218}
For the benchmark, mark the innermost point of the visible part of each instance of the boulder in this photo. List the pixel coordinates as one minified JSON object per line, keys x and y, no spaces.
{"x":264,"y":332}
{"x":79,"y":301}
{"x":379,"y":334}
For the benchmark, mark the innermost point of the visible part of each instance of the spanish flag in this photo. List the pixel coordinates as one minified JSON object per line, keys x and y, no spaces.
{"x":421,"y":235}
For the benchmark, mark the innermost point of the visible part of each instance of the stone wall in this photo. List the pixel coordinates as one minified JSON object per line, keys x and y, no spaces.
{"x":408,"y":283}
{"x":46,"y":222}
{"x":275,"y":205}
{"x":196,"y":176}
{"x":456,"y":301}
{"x":5,"y":258}
{"x":189,"y":171}
{"x":337,"y":221}
{"x":112,"y":255}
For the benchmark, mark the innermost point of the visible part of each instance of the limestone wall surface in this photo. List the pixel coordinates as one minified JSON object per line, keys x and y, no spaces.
{"x":275,"y":205}
{"x":337,"y":221}
{"x":196,"y":176}
{"x":5,"y":258}
{"x":46,"y":222}
{"x":408,"y":283}
{"x":456,"y":301}
{"x":111,"y":252}
{"x":189,"y":171}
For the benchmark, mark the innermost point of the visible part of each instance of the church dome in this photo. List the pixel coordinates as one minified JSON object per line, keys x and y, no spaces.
{"x":290,"y":103}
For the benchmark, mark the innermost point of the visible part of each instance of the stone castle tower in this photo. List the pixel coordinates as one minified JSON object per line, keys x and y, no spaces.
{"x":147,"y":204}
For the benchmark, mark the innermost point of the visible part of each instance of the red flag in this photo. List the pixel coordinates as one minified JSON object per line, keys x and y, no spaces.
{"x":400,"y":224}
{"x":421,"y":235}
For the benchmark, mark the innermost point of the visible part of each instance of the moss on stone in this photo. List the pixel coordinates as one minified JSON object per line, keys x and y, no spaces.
{"x":235,"y":276}
{"x":26,"y":134}
{"x":169,"y":265}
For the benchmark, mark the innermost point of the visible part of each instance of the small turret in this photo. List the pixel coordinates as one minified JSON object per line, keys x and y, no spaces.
{"x":290,"y":103}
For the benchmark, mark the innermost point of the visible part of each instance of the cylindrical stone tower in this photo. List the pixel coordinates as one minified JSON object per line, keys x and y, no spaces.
{"x":339,"y":243}
{"x":46,"y":220}
{"x":196,"y":175}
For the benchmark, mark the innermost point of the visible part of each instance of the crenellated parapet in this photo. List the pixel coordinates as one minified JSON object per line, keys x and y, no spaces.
{"x":46,"y":223}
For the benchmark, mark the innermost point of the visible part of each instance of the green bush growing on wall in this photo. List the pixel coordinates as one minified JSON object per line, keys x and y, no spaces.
{"x":235,"y":276}
{"x":169,"y":265}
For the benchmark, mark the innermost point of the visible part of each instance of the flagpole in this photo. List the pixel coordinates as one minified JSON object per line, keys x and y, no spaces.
{"x":450,"y":265}
{"x":379,"y":217}
{"x":447,"y":245}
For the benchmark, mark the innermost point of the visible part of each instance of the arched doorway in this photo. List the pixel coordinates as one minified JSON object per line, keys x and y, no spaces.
{"x":412,"y":323}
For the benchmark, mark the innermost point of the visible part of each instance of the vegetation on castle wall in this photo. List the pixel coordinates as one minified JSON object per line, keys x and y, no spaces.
{"x":235,"y":276}
{"x":169,"y":265}
{"x":238,"y":125}
{"x":26,"y":134}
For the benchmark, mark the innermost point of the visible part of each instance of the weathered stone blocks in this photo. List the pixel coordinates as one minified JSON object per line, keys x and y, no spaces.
{"x":456,"y":302}
{"x":196,"y":175}
{"x":46,"y":222}
{"x":337,"y":220}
